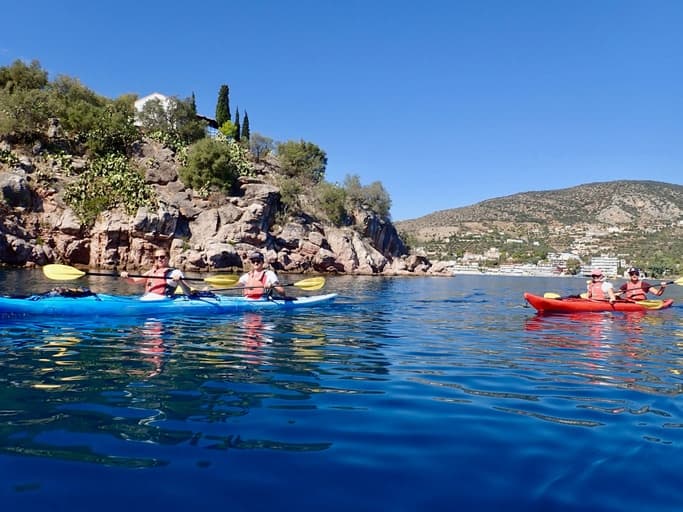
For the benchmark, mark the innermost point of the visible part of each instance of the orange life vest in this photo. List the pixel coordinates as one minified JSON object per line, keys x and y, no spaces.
{"x":595,"y":291}
{"x":634,"y":291}
{"x":254,"y":287}
{"x":157,"y":282}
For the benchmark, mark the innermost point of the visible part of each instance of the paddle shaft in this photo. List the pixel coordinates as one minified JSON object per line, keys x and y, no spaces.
{"x":249,"y":287}
{"x":140,"y":275}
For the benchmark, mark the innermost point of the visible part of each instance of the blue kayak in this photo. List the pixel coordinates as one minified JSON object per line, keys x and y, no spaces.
{"x":123,"y":306}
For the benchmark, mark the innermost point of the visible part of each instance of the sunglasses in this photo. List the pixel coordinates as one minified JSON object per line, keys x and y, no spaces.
{"x":256,"y":261}
{"x":160,"y":257}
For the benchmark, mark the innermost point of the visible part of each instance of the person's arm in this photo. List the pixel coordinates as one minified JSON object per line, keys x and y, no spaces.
{"x":647,"y":287}
{"x":135,"y":280}
{"x":178,"y":278}
{"x":274,"y":283}
{"x":610,"y":292}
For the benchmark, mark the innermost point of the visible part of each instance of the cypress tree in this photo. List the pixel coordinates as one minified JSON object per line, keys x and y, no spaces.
{"x":245,"y":126}
{"x":223,"y":105}
{"x":237,"y":124}
{"x":193,"y":103}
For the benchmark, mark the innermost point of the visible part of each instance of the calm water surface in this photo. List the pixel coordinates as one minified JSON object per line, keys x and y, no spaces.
{"x":406,"y":394}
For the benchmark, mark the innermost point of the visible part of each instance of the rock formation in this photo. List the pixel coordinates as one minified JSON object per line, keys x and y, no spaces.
{"x":202,"y":234}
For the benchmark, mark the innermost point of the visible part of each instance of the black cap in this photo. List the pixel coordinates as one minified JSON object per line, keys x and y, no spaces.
{"x":255,"y":256}
{"x":634,"y":270}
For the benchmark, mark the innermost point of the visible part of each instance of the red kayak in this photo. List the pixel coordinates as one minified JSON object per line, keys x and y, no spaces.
{"x":578,"y":305}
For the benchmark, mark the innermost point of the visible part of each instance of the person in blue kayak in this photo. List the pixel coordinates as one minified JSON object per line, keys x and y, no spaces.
{"x":161,"y":280}
{"x":637,"y":289}
{"x":600,"y":289}
{"x":259,"y":281}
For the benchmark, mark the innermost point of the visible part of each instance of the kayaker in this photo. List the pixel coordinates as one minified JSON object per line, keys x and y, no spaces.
{"x":600,"y":289}
{"x":637,"y":289}
{"x":259,"y":281}
{"x":161,"y":280}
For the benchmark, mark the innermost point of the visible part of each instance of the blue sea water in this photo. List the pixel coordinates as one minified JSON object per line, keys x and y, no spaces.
{"x":405,"y":394}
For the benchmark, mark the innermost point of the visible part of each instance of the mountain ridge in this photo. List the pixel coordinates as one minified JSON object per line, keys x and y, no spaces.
{"x":619,"y":217}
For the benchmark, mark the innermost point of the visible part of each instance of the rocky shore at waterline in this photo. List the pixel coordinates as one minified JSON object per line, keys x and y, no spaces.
{"x":202,"y":233}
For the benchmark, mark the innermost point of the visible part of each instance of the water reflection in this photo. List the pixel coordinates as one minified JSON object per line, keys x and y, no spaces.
{"x":603,"y":348}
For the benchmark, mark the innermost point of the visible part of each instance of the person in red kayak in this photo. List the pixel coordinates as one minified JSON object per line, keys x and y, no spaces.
{"x":637,"y":289}
{"x":161,"y":280}
{"x":600,"y":289}
{"x":258,"y":281}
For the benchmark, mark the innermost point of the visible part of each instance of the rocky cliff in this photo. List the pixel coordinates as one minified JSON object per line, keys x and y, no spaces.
{"x":202,"y":234}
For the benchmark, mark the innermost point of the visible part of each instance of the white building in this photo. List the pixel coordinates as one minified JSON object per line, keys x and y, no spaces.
{"x":608,"y":264}
{"x":139,"y":104}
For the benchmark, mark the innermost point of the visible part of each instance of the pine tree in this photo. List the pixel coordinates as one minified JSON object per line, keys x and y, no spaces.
{"x":245,"y":126}
{"x":223,"y":105}
{"x":237,"y":124}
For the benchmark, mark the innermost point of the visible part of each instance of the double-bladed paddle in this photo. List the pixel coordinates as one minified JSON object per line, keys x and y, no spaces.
{"x":60,"y":272}
{"x":310,"y":284}
{"x":551,"y":295}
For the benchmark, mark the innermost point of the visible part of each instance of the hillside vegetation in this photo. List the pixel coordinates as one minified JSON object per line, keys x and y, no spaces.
{"x":62,"y":120}
{"x":640,"y":221}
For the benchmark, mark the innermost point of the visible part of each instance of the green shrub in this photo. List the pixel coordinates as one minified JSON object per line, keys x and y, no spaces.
{"x":177,"y":119}
{"x":373,"y":197}
{"x":290,"y":191}
{"x":24,"y":113}
{"x":215,"y":164}
{"x":303,"y":160}
{"x":19,"y":76}
{"x":332,"y":200}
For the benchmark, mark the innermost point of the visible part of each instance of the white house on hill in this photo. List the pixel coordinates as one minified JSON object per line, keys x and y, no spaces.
{"x":166,"y":102}
{"x":139,"y":104}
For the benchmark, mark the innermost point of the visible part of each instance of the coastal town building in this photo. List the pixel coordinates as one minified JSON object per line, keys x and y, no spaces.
{"x":608,"y":264}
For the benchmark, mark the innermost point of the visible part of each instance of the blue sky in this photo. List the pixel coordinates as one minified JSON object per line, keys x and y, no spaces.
{"x":447,"y":103}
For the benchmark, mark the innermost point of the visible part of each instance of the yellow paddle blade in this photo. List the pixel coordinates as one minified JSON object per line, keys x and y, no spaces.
{"x":222,"y":280}
{"x":651,"y":304}
{"x":678,"y":281}
{"x":61,"y":272}
{"x":310,"y":284}
{"x":551,"y":295}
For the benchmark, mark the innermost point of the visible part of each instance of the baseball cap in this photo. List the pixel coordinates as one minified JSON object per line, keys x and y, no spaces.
{"x":255,"y":256}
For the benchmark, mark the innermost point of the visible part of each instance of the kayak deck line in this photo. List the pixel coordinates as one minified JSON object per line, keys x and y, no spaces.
{"x":204,"y":303}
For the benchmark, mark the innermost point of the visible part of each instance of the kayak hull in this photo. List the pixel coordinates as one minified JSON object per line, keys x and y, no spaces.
{"x":579,"y":305}
{"x":102,"y":305}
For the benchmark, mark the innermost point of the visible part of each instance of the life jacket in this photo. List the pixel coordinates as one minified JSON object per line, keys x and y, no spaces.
{"x":634,"y":291}
{"x":595,"y":291}
{"x":158,"y":282}
{"x":255,"y":284}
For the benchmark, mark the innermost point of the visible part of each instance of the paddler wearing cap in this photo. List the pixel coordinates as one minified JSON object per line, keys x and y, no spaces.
{"x":637,"y":289}
{"x":259,"y":281}
{"x":598,"y":288}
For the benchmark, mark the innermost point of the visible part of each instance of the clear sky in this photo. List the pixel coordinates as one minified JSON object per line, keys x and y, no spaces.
{"x":446,"y":102}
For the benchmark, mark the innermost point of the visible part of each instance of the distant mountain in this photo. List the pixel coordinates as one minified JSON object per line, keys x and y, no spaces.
{"x":618,"y":217}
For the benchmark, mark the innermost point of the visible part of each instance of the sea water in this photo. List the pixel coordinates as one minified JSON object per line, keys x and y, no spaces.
{"x":405,"y":394}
